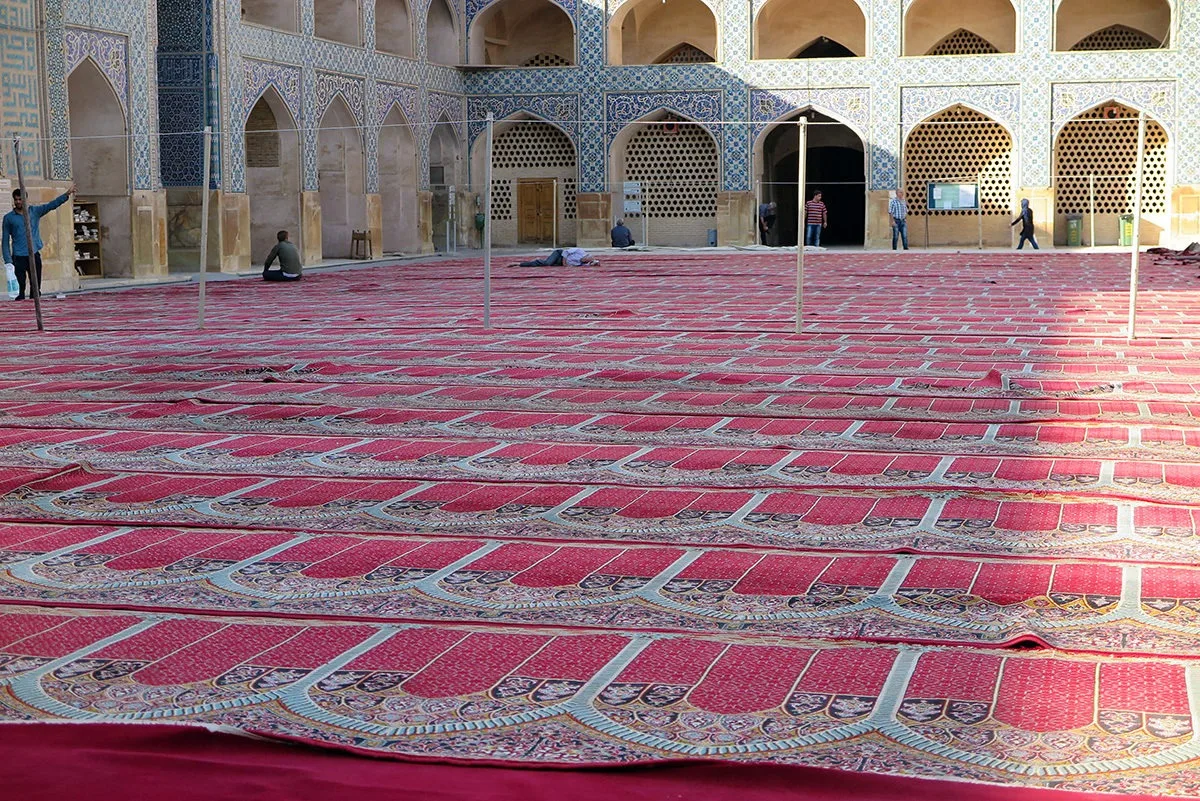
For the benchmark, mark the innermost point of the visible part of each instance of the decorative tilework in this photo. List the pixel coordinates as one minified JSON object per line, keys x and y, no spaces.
{"x":107,"y":50}
{"x":449,"y":108}
{"x":20,"y":112}
{"x":259,"y":75}
{"x":1156,"y":98}
{"x":388,"y":95}
{"x":919,"y":103}
{"x":562,"y":110}
{"x":330,"y":86}
{"x":851,"y":106}
{"x":622,"y":108}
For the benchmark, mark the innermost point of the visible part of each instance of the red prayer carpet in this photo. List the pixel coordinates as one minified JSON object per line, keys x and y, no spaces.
{"x":636,"y":540}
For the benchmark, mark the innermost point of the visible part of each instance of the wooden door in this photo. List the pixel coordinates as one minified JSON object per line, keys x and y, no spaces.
{"x":535,"y":211}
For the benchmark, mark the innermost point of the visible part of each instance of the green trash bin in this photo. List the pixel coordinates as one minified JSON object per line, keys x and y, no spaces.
{"x":1126,"y":230}
{"x":1074,"y":230}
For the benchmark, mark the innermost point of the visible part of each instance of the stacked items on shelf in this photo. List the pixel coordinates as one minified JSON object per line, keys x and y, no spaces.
{"x":87,"y":239}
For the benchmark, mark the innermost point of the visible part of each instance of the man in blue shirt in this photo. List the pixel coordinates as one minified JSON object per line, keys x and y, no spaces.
{"x":14,"y":245}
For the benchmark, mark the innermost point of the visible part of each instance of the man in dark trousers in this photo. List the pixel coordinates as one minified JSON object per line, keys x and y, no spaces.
{"x":1025,"y":218}
{"x":289,"y":268}
{"x":766,"y":220}
{"x":622,"y":237}
{"x":14,"y":243}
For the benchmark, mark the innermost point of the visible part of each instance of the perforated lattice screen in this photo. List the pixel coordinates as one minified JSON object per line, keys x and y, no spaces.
{"x":963,"y":43}
{"x":686,"y":54}
{"x":678,"y":170}
{"x":1118,"y":37}
{"x":262,"y":137}
{"x":502,"y":199}
{"x":546,"y":60}
{"x":1089,"y":145}
{"x":959,"y":145}
{"x":532,"y":145}
{"x":568,"y":199}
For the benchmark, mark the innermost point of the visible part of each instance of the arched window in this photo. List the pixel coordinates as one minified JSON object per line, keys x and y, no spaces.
{"x":393,"y":27}
{"x":281,"y":14}
{"x":954,"y":27}
{"x":340,"y":178}
{"x":1112,"y":24}
{"x":514,"y":32}
{"x":272,"y":146}
{"x":817,"y":29}
{"x":651,"y":31}
{"x":441,"y":34}
{"x":337,"y":21}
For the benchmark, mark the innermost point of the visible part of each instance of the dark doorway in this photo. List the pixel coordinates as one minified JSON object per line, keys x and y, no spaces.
{"x":824,"y":47}
{"x":835,"y":166}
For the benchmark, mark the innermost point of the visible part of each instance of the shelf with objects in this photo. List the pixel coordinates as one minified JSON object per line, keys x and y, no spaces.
{"x":88,"y":260}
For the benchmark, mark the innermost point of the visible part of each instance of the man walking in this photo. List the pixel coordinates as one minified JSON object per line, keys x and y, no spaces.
{"x":766,"y":220}
{"x":14,"y":244}
{"x":898,"y":211}
{"x":1025,"y":218}
{"x":816,"y":217}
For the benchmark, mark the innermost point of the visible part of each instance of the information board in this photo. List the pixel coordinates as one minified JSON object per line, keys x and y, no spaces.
{"x":953,"y":197}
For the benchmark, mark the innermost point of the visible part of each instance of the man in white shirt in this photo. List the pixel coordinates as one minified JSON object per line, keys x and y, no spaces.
{"x":572,"y":257}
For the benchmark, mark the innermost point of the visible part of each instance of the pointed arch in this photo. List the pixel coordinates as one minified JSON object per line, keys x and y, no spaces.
{"x":927,"y":23}
{"x":442,"y":45}
{"x":341,"y":178}
{"x":100,"y":163}
{"x":641,"y":31}
{"x":398,"y":182}
{"x":445,"y":171}
{"x":338,"y":21}
{"x":961,"y":145}
{"x":394,"y":28}
{"x":1112,"y":24}
{"x":511,"y":32}
{"x":273,"y":168}
{"x":1095,"y":160}
{"x":679,"y":168}
{"x":784,"y":29}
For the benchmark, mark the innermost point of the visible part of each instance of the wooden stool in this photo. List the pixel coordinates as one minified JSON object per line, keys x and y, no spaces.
{"x":360,"y":245}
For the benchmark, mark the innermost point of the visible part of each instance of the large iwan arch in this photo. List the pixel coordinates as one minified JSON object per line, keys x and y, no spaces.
{"x":657,"y":32}
{"x":521,"y":33}
{"x":820,"y":29}
{"x":1112,"y":24}
{"x":955,"y":27}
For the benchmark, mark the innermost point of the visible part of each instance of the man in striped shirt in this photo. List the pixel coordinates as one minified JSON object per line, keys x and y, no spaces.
{"x":898,"y":211}
{"x":816,"y":217}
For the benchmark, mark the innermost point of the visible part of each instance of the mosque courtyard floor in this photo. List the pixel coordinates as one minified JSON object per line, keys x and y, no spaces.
{"x":951,"y":531}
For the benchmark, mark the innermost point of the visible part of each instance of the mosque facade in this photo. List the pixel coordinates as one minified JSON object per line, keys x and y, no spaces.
{"x":337,"y":116}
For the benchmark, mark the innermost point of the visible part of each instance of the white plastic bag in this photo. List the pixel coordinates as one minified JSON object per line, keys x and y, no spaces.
{"x":13,"y":289}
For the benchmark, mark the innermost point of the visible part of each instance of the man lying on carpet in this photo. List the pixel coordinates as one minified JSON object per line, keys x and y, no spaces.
{"x":572,"y":257}
{"x":289,"y":268}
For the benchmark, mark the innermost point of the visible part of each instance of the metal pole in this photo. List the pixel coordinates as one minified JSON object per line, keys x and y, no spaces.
{"x":979,"y":206}
{"x":487,"y":224}
{"x":1092,"y":210}
{"x":758,"y":205}
{"x":1136,"y":255}
{"x":32,"y":272}
{"x":204,"y":193}
{"x":801,"y":169}
{"x":449,"y":217}
{"x":554,"y":237}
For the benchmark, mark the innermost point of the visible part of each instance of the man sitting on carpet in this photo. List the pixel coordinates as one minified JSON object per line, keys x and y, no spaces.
{"x":622,"y":237}
{"x":572,"y":257}
{"x":289,"y":268}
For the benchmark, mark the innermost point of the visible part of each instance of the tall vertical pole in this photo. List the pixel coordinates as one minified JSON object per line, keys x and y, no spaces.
{"x":801,"y":171}
{"x":1092,"y":210}
{"x":758,"y":197}
{"x":487,"y":225}
{"x":204,"y":193}
{"x":979,"y":206}
{"x":32,"y":272}
{"x":1136,"y":255}
{"x":554,"y":237}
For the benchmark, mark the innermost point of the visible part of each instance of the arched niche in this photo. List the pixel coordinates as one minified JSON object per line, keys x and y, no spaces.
{"x":393,"y":27}
{"x":441,"y":34}
{"x":273,"y":166}
{"x":535,"y":170}
{"x":653,"y":31}
{"x":819,"y":29}
{"x":398,"y":184}
{"x":1112,"y":24}
{"x":514,"y":32}
{"x":338,"y":21}
{"x":1095,"y":172}
{"x":960,"y":145}
{"x":341,"y":184}
{"x":100,"y":161}
{"x":445,"y":171}
{"x":928,"y":24}
{"x":677,"y":162}
{"x":281,"y":14}
{"x":835,"y":164}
